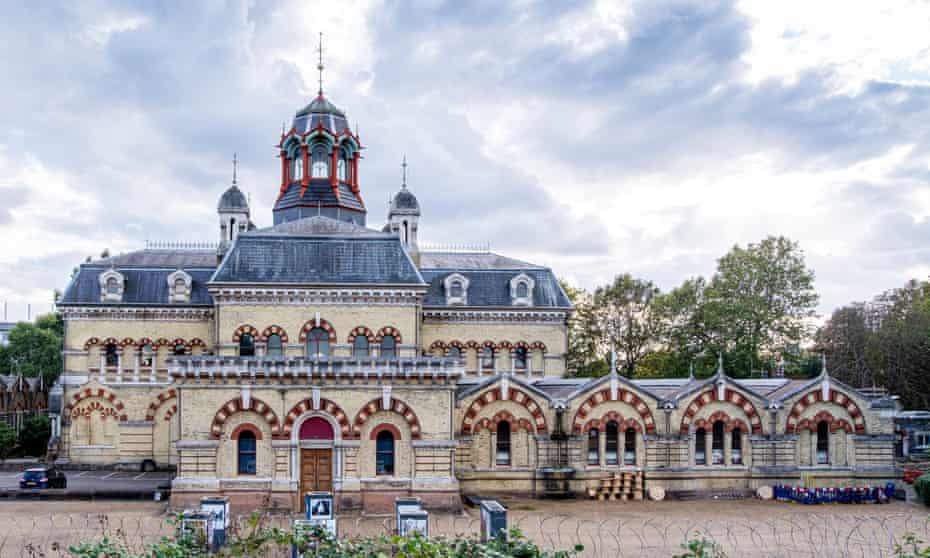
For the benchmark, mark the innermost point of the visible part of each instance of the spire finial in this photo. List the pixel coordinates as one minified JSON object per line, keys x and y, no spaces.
{"x":319,"y":65}
{"x":823,"y":359}
{"x":235,"y":162}
{"x":720,"y":362}
{"x":613,"y":361}
{"x":403,"y":165}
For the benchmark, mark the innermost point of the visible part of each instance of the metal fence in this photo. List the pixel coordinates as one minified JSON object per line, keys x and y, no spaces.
{"x":795,"y":535}
{"x":16,"y":419}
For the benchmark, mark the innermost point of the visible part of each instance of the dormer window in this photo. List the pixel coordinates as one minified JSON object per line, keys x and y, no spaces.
{"x":456,"y":286}
{"x":112,"y":285}
{"x":521,"y":290}
{"x":179,"y":287}
{"x":341,"y":171}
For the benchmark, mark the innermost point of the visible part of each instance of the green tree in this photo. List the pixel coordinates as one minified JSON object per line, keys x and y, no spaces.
{"x":582,"y":359}
{"x":33,"y":437}
{"x":627,"y":317}
{"x":7,"y":440}
{"x":34,"y":349}
{"x":760,"y":301}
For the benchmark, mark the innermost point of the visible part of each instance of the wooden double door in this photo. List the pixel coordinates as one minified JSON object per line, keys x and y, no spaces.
{"x":316,"y":472}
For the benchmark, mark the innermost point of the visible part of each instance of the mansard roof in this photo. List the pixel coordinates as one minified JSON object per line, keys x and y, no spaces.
{"x":491,"y":287}
{"x":292,"y":256}
{"x":319,"y":225}
{"x":319,"y":193}
{"x":146,"y":274}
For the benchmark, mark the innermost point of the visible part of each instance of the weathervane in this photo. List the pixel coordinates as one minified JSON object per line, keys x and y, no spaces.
{"x":319,"y":66}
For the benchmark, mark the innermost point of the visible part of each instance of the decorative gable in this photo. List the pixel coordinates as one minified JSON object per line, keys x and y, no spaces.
{"x":521,"y":290}
{"x":112,"y":286}
{"x":456,"y":287}
{"x":179,"y":287}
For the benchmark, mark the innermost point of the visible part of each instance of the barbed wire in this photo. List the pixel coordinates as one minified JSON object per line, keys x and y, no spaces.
{"x":621,"y":535}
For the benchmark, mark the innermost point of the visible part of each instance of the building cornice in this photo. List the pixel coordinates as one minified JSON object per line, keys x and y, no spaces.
{"x":295,"y":296}
{"x":493,"y":315}
{"x":137,"y":313}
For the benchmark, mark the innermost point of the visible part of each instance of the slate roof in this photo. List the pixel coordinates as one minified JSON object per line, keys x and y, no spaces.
{"x":491,"y":287}
{"x":471,"y":260}
{"x":405,"y":202}
{"x":146,"y":273}
{"x":318,"y":191}
{"x":319,"y":225}
{"x":315,"y":259}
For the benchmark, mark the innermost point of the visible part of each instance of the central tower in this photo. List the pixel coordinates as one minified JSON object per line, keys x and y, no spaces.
{"x":319,"y":165}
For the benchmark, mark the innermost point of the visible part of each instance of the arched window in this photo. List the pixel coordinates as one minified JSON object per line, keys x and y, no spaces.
{"x":520,"y":358}
{"x":388,"y":346}
{"x":613,"y":443}
{"x":320,"y":168}
{"x":112,"y":285}
{"x":455,"y":352}
{"x":384,"y":453}
{"x":180,"y":286}
{"x":112,"y":355}
{"x":318,"y":343}
{"x":717,"y":442}
{"x":246,"y":345}
{"x":179,"y":350}
{"x":298,"y":168}
{"x":700,"y":447}
{"x":247,"y":451}
{"x":594,"y":447}
{"x":341,"y":167}
{"x":360,"y":347}
{"x":736,"y":447}
{"x":148,"y":355}
{"x":456,"y":289}
{"x":629,"y":447}
{"x":487,"y":358}
{"x":823,"y":443}
{"x":523,"y":290}
{"x":502,"y":451}
{"x":275,"y":347}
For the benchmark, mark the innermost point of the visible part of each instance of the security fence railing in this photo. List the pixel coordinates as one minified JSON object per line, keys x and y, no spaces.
{"x":633,"y":535}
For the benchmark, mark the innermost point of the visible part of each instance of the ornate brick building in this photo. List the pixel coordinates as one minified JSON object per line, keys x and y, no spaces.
{"x":320,"y":354}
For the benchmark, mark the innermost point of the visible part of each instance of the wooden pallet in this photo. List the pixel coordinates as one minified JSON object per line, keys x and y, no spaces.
{"x":621,"y":486}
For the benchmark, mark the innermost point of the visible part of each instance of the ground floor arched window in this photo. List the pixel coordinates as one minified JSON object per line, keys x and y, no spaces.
{"x":717,"y":443}
{"x":594,"y":450}
{"x":612,"y":444}
{"x":384,"y":453}
{"x":823,"y":443}
{"x":629,"y":449}
{"x":736,"y":447}
{"x":247,"y":453}
{"x":700,"y":447}
{"x":502,"y":451}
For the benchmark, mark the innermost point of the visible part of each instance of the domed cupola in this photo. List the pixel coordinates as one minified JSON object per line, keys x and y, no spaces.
{"x":319,"y":165}
{"x":233,"y":211}
{"x":404,"y":216}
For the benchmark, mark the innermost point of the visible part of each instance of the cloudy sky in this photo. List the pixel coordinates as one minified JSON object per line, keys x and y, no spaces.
{"x":596,"y":137}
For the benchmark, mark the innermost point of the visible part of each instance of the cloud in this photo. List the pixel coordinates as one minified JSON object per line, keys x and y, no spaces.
{"x":598,"y":137}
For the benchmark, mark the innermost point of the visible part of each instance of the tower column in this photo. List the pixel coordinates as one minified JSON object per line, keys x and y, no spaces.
{"x":283,"y":170}
{"x":305,"y":180}
{"x":354,"y":167}
{"x":333,"y":180}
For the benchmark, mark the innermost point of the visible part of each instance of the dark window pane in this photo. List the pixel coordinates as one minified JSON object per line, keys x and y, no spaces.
{"x":360,"y":347}
{"x":613,"y":443}
{"x":384,"y":453}
{"x":246,"y":345}
{"x":502,"y":454}
{"x":388,"y":346}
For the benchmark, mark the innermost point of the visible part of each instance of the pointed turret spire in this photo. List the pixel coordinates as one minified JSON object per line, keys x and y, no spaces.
{"x":613,"y":362}
{"x":823,"y":360}
{"x":235,"y":162}
{"x":403,"y":183}
{"x":720,"y":363}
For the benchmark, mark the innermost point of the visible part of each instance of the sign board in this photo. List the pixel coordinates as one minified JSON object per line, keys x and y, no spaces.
{"x":493,"y":520}
{"x":197,"y":525}
{"x":319,"y":505}
{"x":413,"y":521}
{"x":218,"y":507}
{"x":405,"y":505}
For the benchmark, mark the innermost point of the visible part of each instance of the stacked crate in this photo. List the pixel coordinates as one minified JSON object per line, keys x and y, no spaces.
{"x":619,"y":485}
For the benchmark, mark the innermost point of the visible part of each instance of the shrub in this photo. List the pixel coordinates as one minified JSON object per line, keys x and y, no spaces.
{"x":34,"y":435}
{"x":922,"y":487}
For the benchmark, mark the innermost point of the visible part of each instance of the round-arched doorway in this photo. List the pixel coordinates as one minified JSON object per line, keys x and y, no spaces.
{"x":315,"y":439}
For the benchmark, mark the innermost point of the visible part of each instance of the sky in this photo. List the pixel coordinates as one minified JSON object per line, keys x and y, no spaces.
{"x":595,"y":137}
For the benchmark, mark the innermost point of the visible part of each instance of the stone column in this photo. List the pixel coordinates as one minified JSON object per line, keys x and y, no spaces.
{"x":709,"y":446}
{"x":494,"y":450}
{"x":305,"y":179}
{"x":727,"y":448}
{"x":137,"y":354}
{"x":692,"y":449}
{"x":747,"y":453}
{"x":119,"y":364}
{"x":621,"y":447}
{"x":602,"y":448}
{"x":812,"y":436}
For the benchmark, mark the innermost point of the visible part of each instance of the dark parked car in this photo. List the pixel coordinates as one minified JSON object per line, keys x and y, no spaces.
{"x":43,"y":477}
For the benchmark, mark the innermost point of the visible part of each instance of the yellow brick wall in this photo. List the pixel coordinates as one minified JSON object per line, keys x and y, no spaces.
{"x":552,"y":335}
